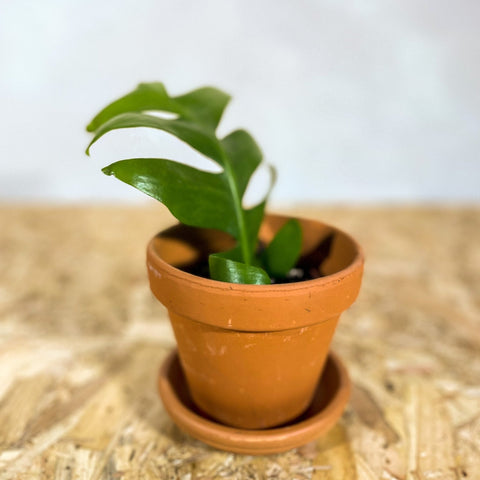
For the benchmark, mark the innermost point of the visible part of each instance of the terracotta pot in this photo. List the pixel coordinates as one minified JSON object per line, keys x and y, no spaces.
{"x":253,"y":354}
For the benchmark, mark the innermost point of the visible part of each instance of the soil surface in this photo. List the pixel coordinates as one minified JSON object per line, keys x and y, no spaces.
{"x":307,"y":268}
{"x":297,"y":274}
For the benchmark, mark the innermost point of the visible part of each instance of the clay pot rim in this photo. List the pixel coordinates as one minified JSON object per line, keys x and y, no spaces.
{"x":209,"y":283}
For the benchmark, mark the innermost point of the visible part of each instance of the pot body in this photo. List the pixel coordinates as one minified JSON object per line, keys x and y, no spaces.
{"x":253,"y":354}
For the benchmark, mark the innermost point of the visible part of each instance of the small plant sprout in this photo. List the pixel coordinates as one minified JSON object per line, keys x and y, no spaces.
{"x":196,"y":197}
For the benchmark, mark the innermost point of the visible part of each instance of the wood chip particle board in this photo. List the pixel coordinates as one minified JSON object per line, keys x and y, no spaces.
{"x":81,"y":341}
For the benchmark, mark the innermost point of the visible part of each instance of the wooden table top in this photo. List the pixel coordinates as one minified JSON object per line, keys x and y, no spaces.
{"x":81,"y":341}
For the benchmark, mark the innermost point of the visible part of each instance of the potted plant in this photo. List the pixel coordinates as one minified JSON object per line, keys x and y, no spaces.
{"x":253,"y":299}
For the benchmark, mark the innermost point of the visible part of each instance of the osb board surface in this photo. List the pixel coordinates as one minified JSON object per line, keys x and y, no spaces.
{"x":81,"y":340}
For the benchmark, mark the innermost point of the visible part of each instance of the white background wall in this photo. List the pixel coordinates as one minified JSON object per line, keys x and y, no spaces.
{"x":369,"y":101}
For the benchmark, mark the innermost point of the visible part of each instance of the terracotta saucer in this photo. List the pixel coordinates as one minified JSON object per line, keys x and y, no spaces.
{"x":330,"y":398}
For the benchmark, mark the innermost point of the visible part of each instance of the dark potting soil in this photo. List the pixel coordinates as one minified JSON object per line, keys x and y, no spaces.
{"x":298,"y":275}
{"x":307,"y":268}
{"x":200,"y":269}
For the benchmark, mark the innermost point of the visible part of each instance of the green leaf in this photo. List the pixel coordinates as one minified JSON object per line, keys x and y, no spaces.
{"x":204,"y":106}
{"x":194,"y":197}
{"x":283,"y":252}
{"x":201,"y":140}
{"x":227,"y":270}
{"x":244,"y":155}
{"x":147,"y":96}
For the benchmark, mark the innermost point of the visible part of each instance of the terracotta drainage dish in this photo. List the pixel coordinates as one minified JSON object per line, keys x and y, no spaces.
{"x":253,"y":355}
{"x":329,"y":400}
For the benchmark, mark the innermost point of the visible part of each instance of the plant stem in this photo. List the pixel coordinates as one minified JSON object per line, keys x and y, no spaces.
{"x":239,"y":212}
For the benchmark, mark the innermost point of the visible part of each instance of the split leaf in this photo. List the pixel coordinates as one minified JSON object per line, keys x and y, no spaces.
{"x":204,"y":105}
{"x":200,"y":139}
{"x":195,"y":197}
